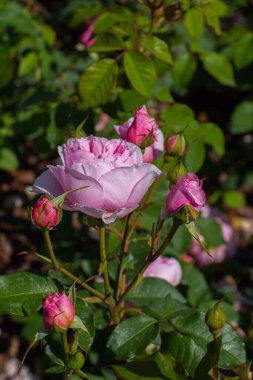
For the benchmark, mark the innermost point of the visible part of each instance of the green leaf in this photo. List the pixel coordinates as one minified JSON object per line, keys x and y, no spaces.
{"x":5,"y":66}
{"x":39,"y":336}
{"x":107,"y":42}
{"x":157,"y":298}
{"x":97,"y":82}
{"x":198,"y":289}
{"x":242,"y":51}
{"x":213,"y":135}
{"x":232,"y":351}
{"x":183,"y":69}
{"x":84,"y":312}
{"x":8,"y":159}
{"x":195,"y":156}
{"x":242,"y":118}
{"x":22,"y":293}
{"x":164,"y":95}
{"x":141,"y":370}
{"x":27,"y":64}
{"x":158,"y":48}
{"x":192,"y":229}
{"x":233,"y":198}
{"x":141,"y":72}
{"x":131,"y":100}
{"x":167,"y":366}
{"x":211,"y":230}
{"x":184,"y":349}
{"x":219,"y":67}
{"x":210,"y":361}
{"x":194,"y":22}
{"x":177,"y":117}
{"x":131,"y":337}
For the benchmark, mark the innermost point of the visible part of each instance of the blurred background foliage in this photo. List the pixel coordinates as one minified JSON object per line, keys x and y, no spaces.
{"x":191,"y":62}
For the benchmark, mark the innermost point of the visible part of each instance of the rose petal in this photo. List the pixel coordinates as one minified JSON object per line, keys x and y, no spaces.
{"x":46,"y":183}
{"x":69,"y":179}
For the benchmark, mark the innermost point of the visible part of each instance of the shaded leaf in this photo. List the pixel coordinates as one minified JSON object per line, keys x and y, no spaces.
{"x":219,"y":67}
{"x":158,"y":48}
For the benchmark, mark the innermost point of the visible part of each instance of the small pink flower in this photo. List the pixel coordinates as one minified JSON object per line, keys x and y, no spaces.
{"x":45,"y":214}
{"x":85,"y":37}
{"x":58,"y":310}
{"x":136,"y":129}
{"x":187,"y":191}
{"x":176,"y":145}
{"x":166,"y":269}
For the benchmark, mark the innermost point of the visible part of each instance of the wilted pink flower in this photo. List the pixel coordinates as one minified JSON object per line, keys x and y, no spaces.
{"x":85,"y":37}
{"x":113,"y":171}
{"x":187,"y":191}
{"x":45,"y":214}
{"x":219,"y":253}
{"x":166,"y":269}
{"x":136,"y":129}
{"x":176,"y":145}
{"x":59,"y":311}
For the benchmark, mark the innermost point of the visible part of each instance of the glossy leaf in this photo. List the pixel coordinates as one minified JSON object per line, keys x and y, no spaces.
{"x":141,"y":72}
{"x":141,"y":370}
{"x":97,"y":82}
{"x":107,"y":42}
{"x":242,"y":118}
{"x":194,"y":22}
{"x":158,"y":48}
{"x":157,"y":298}
{"x":213,"y":135}
{"x":195,"y":155}
{"x":131,"y":337}
{"x":84,"y":312}
{"x":242,"y":51}
{"x":22,"y":293}
{"x":183,"y":69}
{"x":198,"y":289}
{"x":219,"y":67}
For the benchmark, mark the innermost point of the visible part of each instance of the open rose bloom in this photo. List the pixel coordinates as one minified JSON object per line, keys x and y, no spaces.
{"x":166,"y":269}
{"x":113,"y":171}
{"x":136,"y":129}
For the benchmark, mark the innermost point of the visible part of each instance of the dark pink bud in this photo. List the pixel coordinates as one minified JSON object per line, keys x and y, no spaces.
{"x":176,"y":145}
{"x":187,"y":192}
{"x":45,"y":215}
{"x":85,"y":37}
{"x":141,"y":127}
{"x":58,"y":312}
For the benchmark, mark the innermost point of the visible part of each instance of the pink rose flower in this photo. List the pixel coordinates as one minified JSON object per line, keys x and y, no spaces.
{"x":187,"y":191}
{"x":113,"y":171}
{"x":45,"y":214}
{"x":85,"y":37}
{"x":58,"y":310}
{"x":166,"y":269}
{"x":176,"y":145}
{"x":136,"y":129}
{"x":219,"y":253}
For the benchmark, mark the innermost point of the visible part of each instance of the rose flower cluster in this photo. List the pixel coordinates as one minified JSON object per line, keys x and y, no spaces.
{"x":108,"y":179}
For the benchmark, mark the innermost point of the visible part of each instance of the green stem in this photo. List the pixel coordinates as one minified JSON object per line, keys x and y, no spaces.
{"x":64,"y":340}
{"x":123,"y":250}
{"x":150,"y":259}
{"x":65,"y":271}
{"x":104,"y":271}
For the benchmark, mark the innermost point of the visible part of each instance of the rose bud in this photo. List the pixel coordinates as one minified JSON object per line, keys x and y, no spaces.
{"x":166,"y":269}
{"x":187,"y":192}
{"x":86,"y":39}
{"x":58,"y":312}
{"x":142,"y":130}
{"x":215,"y":319}
{"x":176,"y":145}
{"x":45,"y":215}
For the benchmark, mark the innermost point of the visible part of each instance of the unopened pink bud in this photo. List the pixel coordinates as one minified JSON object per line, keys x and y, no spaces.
{"x":166,"y":269}
{"x":58,"y":312}
{"x":86,"y":39}
{"x":45,"y":215}
{"x":176,"y":145}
